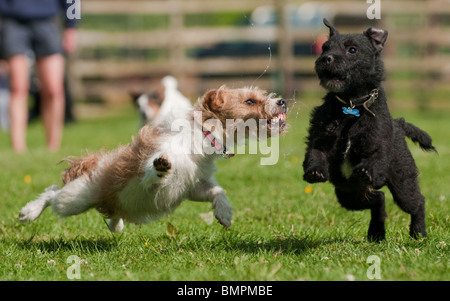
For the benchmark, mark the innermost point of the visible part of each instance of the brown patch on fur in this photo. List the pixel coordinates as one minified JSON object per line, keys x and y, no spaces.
{"x":235,"y":102}
{"x":223,"y":104}
{"x":238,"y":104}
{"x":155,"y":98}
{"x":122,"y":165}
{"x":155,"y":106}
{"x":79,"y":167}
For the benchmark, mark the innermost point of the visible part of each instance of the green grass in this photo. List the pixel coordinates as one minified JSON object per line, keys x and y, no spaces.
{"x":279,"y":231}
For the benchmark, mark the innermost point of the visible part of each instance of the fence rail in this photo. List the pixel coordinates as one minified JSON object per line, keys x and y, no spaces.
{"x":280,"y":71}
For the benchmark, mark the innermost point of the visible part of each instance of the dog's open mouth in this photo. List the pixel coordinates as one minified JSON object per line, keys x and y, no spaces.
{"x":278,"y":121}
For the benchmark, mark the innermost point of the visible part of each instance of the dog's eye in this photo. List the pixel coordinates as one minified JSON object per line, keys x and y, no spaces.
{"x":352,"y":50}
{"x":250,"y":102}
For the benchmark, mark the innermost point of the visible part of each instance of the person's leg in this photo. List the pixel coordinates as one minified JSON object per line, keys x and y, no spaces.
{"x":51,"y":75}
{"x":19,"y":83}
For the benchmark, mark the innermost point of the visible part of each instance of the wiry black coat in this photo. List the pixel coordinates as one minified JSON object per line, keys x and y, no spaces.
{"x":359,"y":155}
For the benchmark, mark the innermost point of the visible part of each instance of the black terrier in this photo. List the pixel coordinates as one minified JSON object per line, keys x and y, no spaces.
{"x":353,"y":140}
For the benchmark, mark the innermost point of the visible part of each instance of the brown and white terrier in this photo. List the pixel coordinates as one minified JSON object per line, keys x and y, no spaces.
{"x":149,"y":177}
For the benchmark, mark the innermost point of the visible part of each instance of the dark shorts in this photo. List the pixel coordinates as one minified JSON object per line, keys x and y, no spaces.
{"x":19,"y":36}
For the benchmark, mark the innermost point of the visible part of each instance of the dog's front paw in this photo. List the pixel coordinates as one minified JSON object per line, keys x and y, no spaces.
{"x":223,"y":211}
{"x":315,"y":175}
{"x":363,"y":174}
{"x":162,"y":166}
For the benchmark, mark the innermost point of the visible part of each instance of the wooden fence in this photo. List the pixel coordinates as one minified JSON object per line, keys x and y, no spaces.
{"x":112,"y":79}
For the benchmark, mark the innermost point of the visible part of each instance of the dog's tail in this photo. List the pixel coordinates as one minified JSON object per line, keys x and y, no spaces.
{"x":416,"y":135}
{"x":79,"y":167}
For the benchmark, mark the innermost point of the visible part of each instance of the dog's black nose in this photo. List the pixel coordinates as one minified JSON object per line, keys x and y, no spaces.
{"x":329,"y":59}
{"x":281,"y":102}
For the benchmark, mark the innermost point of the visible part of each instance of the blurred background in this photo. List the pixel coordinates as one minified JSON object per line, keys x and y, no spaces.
{"x":128,"y":46}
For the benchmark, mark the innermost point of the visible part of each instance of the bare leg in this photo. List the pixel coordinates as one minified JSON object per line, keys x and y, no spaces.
{"x":18,"y":102}
{"x":51,"y":75}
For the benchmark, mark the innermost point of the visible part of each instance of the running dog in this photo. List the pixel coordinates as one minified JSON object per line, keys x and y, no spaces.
{"x":149,"y":177}
{"x":353,"y":140}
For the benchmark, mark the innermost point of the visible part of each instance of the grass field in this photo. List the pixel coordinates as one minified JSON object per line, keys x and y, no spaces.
{"x":283,"y":229}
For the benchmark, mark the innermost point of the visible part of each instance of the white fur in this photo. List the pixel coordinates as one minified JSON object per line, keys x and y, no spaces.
{"x":174,"y":106}
{"x":347,"y":167}
{"x":34,"y":209}
{"x":148,"y":111}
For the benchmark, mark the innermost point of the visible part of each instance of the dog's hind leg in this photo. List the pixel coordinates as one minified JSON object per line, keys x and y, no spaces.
{"x":33,"y":209}
{"x":407,"y":196}
{"x":74,"y":198}
{"x":373,"y":200}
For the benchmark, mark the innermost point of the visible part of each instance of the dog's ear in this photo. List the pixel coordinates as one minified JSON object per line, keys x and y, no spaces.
{"x":213,"y":99}
{"x":333,"y":31}
{"x":377,"y":37}
{"x":134,"y":96}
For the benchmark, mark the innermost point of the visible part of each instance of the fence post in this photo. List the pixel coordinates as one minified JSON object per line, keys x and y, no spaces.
{"x":285,"y":51}
{"x":176,"y":49}
{"x":74,"y":79}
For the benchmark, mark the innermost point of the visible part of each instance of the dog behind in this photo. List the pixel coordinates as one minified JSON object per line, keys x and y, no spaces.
{"x":163,"y":105}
